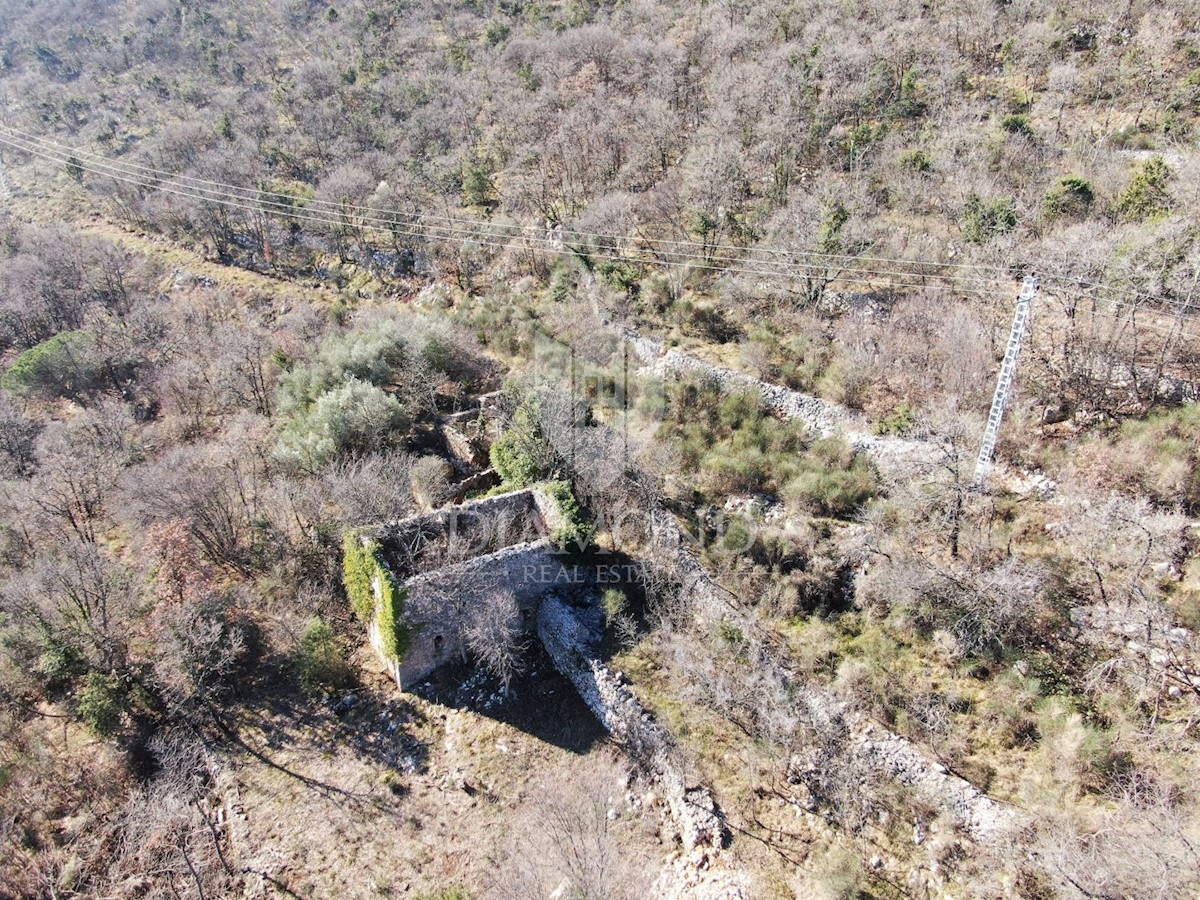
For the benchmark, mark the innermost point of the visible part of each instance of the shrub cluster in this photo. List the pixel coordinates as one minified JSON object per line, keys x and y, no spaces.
{"x":519,"y":456}
{"x":62,"y":366}
{"x":730,"y":442}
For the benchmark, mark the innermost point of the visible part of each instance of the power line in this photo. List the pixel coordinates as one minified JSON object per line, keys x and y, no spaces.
{"x":485,"y":238}
{"x":419,"y":225}
{"x":394,"y":222}
{"x":368,"y":211}
{"x":919,"y":269}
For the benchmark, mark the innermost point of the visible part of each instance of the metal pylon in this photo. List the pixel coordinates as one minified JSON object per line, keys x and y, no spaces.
{"x":1008,"y":371}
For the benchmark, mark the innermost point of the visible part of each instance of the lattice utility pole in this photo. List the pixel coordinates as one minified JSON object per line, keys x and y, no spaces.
{"x":1008,"y":371}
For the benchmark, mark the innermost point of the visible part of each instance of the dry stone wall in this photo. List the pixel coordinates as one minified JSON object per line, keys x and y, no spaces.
{"x":571,"y":642}
{"x":895,"y":457}
{"x":880,"y":750}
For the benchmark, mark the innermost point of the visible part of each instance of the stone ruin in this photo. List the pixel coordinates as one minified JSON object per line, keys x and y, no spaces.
{"x":448,"y":559}
{"x":451,"y":558}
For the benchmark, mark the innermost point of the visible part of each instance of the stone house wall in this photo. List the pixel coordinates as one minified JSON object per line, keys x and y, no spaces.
{"x":481,"y":559}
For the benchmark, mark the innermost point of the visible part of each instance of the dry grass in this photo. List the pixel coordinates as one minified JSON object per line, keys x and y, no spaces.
{"x":332,"y":807}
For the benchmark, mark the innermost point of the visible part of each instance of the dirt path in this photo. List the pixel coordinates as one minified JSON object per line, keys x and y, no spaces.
{"x":175,"y":256}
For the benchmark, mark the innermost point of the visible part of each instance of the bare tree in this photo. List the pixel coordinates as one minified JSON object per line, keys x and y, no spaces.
{"x":17,"y":434}
{"x":372,"y":489}
{"x":78,"y":464}
{"x":569,"y":842}
{"x":200,"y":643}
{"x":1119,"y":543}
{"x":1140,"y":844}
{"x":218,"y":489}
{"x":430,"y":479}
{"x":168,"y":838}
{"x":79,"y":598}
{"x":493,"y":632}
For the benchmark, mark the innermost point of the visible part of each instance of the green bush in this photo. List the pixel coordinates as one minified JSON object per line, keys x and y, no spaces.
{"x":911,"y":103}
{"x":319,"y":662}
{"x":1070,"y":196}
{"x":1016,"y":123}
{"x":355,"y":418}
{"x":359,"y":565}
{"x":372,"y":355}
{"x":858,"y":142}
{"x":614,"y":603}
{"x":622,"y":276}
{"x":521,"y":455}
{"x":60,"y":366}
{"x":479,"y":182}
{"x":1147,"y":195}
{"x":833,"y":481}
{"x":730,"y":635}
{"x":915,"y":161}
{"x":737,"y":535}
{"x":900,"y":421}
{"x":59,"y":662}
{"x":985,"y":219}
{"x":575,"y":532}
{"x":101,"y":703}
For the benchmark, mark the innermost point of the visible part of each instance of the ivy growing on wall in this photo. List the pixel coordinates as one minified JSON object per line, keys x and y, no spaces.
{"x":359,"y":564}
{"x":361,"y":567}
{"x":574,"y":532}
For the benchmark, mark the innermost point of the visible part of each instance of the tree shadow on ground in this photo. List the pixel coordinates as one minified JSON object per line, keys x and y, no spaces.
{"x":280,"y":726}
{"x":540,"y":702}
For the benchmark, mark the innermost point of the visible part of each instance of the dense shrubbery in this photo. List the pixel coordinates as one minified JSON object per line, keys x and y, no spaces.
{"x":353,"y":419}
{"x":64,"y":366}
{"x":833,"y":480}
{"x":371,"y":355}
{"x":983,"y":219}
{"x":519,"y":456}
{"x":1071,"y":196}
{"x":1157,"y":456}
{"x":541,"y":427}
{"x":574,"y":533}
{"x":730,"y":443}
{"x":319,"y":660}
{"x":363,"y":389}
{"x":124,"y":518}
